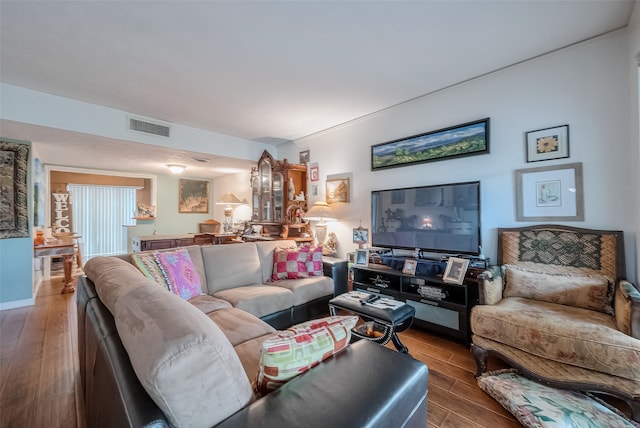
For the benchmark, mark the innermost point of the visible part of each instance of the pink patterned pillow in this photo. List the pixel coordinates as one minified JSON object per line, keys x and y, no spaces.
{"x":180,"y":273}
{"x":314,"y":262}
{"x":289,"y":263}
{"x":292,"y":352}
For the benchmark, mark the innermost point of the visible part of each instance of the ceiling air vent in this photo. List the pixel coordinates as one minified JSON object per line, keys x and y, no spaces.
{"x":149,"y":128}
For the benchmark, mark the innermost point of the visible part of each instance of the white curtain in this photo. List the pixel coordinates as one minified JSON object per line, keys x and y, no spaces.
{"x":99,"y":214}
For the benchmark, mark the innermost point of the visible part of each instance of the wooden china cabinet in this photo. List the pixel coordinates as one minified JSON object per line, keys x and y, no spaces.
{"x":279,"y":193}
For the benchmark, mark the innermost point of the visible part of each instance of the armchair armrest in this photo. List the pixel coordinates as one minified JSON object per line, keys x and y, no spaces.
{"x":627,"y":308}
{"x":490,"y":286}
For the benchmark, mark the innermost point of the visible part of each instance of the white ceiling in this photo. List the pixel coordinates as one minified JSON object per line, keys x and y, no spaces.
{"x":268,"y":71}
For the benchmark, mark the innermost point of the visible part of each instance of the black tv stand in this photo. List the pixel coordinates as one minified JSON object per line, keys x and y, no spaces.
{"x":440,"y":306}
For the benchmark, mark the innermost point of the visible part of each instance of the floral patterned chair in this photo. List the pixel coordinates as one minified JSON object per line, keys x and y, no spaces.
{"x":559,"y":309}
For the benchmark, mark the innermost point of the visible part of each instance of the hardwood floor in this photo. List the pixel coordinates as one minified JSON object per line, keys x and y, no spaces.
{"x":39,"y":372}
{"x":39,"y":375}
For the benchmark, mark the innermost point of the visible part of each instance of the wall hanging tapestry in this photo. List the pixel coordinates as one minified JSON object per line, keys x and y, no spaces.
{"x":14,"y":168}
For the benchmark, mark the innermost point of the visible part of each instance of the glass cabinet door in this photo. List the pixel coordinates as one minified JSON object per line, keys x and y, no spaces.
{"x":255,"y":196}
{"x":278,"y":192}
{"x":265,"y":190}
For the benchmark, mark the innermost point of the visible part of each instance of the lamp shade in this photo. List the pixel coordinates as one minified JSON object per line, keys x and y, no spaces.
{"x":229,"y":199}
{"x":320,"y":211}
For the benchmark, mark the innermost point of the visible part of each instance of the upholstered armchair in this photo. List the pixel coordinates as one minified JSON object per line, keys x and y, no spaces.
{"x":558,"y":308}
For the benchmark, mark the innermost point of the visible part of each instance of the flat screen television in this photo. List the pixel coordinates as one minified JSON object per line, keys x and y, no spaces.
{"x":442,"y":218}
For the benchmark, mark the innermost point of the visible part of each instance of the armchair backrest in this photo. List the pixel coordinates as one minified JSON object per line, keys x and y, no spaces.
{"x":560,"y":249}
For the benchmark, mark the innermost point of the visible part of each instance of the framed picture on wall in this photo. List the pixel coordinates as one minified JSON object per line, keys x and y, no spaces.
{"x":193,"y":196}
{"x":548,"y":143}
{"x":551,"y":193}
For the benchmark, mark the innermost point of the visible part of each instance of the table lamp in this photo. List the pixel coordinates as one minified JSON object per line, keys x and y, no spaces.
{"x":320,"y":212}
{"x":228,"y":199}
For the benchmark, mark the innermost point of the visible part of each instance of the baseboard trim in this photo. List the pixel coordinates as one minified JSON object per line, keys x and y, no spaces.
{"x":17,"y":304}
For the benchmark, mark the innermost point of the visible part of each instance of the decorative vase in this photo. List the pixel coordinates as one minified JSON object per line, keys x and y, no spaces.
{"x":292,"y":190}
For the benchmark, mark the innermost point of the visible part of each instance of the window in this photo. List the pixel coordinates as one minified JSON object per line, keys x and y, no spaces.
{"x":99,"y":214}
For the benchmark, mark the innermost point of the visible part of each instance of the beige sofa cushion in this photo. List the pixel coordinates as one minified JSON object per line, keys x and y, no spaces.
{"x":593,"y":292}
{"x":231,"y":266}
{"x":259,"y":300}
{"x":566,"y":334}
{"x":184,"y":361}
{"x":307,"y":289}
{"x":240,"y":326}
{"x":207,"y":304}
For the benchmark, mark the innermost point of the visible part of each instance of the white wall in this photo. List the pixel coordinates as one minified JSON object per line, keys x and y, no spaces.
{"x":585,"y":86}
{"x":38,"y":108}
{"x":634,"y":77}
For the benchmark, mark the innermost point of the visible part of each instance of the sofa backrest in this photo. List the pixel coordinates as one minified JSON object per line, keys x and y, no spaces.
{"x":265,"y":252}
{"x":183,"y":360}
{"x":231,"y":265}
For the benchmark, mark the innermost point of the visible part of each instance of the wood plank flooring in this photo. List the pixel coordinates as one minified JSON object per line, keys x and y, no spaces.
{"x":39,"y":374}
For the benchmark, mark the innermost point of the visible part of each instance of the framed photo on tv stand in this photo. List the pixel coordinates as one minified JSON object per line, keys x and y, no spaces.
{"x":456,"y":270}
{"x":362,"y":257}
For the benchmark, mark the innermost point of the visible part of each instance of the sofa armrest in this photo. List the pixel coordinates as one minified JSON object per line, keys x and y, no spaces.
{"x":338,"y":270}
{"x":490,"y":286}
{"x":364,"y":385}
{"x":627,"y":308}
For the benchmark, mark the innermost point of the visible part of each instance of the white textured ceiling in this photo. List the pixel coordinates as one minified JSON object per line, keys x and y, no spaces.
{"x":275,"y":71}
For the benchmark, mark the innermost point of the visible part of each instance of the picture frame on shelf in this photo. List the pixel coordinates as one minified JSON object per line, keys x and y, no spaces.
{"x":552,"y":193}
{"x":193,"y":196}
{"x":548,"y":143}
{"x":467,"y":139}
{"x":337,"y":190}
{"x":362,"y":257}
{"x":409,"y":267}
{"x":456,"y":270}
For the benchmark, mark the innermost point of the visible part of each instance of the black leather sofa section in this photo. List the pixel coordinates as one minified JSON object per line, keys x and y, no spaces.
{"x":363,"y":386}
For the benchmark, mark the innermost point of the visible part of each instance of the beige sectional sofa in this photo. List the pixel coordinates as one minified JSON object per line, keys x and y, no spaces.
{"x":240,"y":274}
{"x":149,"y":358}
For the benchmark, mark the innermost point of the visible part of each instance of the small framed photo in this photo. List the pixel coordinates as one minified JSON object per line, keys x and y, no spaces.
{"x":360,"y":235}
{"x":455,"y":271}
{"x":410,"y":267}
{"x":305,"y":156}
{"x":548,"y":143}
{"x":314,"y":173}
{"x":362,"y":257}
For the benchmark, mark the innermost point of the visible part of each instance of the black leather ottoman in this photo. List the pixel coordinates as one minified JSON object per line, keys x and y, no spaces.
{"x":393,"y":315}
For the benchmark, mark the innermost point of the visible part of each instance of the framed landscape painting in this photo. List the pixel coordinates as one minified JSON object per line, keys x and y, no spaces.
{"x":468,"y":139}
{"x":194,"y":196}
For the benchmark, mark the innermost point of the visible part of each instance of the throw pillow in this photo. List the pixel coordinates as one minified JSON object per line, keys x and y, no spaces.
{"x":303,"y":346}
{"x":539,"y":406}
{"x":289,"y":263}
{"x":180,"y":273}
{"x":147,"y":264}
{"x":593,"y":292}
{"x":314,"y":261}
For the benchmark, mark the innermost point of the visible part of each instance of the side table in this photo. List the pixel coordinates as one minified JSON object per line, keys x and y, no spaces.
{"x":395,"y":316}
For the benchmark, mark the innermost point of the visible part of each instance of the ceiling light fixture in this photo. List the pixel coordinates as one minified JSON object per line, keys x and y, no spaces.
{"x":175,"y":168}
